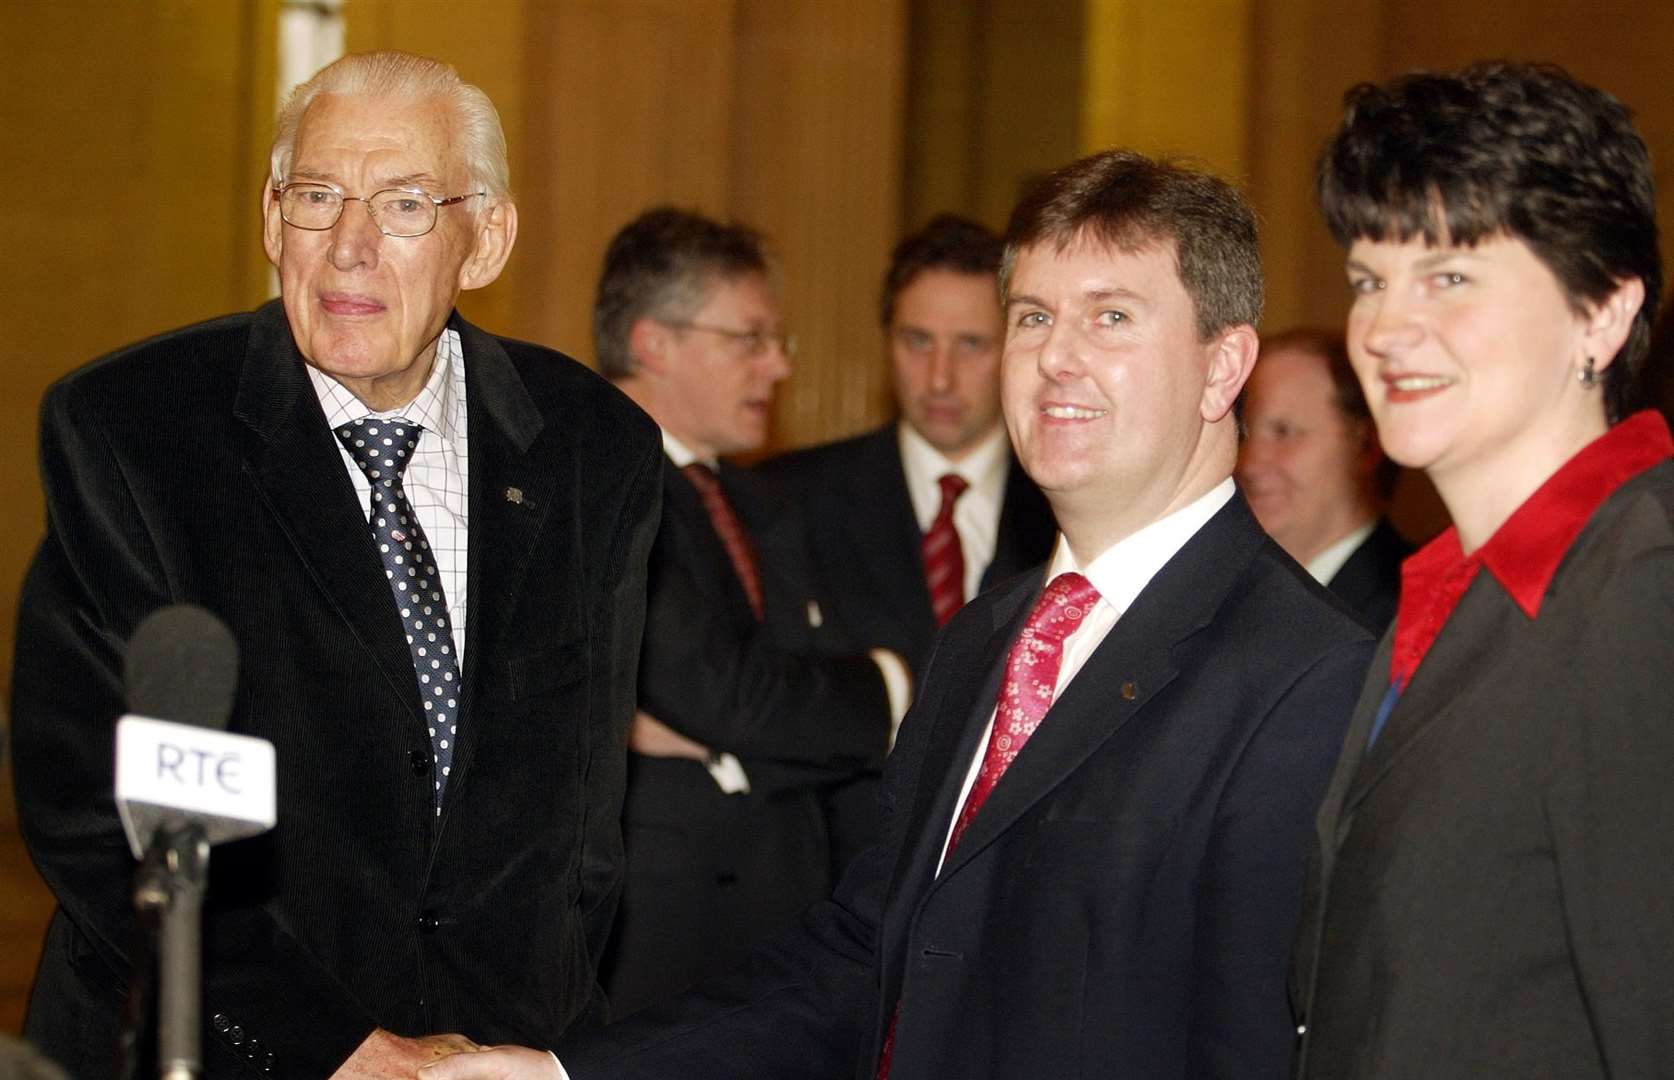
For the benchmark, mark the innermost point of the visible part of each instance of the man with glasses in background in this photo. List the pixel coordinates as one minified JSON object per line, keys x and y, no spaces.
{"x":430,"y":544}
{"x":744,"y":720}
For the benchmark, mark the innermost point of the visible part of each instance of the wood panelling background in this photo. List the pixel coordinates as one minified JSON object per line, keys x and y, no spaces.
{"x":136,"y":138}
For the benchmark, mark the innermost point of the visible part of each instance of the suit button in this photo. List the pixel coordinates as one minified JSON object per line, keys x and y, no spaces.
{"x":420,"y":761}
{"x":267,"y":1063}
{"x":221,"y":1023}
{"x":236,"y":1035}
{"x":428,"y":923}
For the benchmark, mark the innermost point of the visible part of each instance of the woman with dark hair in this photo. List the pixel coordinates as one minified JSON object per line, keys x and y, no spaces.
{"x":1493,"y":888}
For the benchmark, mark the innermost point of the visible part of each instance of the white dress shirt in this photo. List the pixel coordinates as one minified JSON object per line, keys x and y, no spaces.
{"x":1119,"y":573}
{"x":976,"y":516}
{"x":438,"y":475}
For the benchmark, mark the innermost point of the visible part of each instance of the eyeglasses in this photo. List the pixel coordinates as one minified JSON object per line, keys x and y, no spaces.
{"x":395,"y":211}
{"x":754,"y":342}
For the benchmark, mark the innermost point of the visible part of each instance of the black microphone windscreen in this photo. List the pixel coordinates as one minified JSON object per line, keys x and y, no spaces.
{"x":182,"y":665}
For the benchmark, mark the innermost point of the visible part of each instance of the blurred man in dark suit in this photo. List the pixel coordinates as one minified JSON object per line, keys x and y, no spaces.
{"x":911,"y":520}
{"x":742,"y":724}
{"x":1314,"y":475}
{"x":430,"y":544}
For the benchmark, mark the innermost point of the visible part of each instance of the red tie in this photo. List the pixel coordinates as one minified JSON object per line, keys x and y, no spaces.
{"x":1031,"y":681}
{"x":730,"y":530}
{"x":944,"y":559}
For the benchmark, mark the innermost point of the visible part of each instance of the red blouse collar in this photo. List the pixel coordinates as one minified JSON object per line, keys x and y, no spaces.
{"x":1525,"y":552}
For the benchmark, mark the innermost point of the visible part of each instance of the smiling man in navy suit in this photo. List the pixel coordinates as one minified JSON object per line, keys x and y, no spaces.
{"x":1098,"y":809}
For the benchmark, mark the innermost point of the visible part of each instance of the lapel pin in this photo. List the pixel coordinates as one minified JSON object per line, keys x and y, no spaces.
{"x":514,"y":495}
{"x":1129,"y":691}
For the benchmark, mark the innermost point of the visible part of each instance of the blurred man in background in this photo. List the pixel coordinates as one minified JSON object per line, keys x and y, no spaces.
{"x":1314,"y":475}
{"x":745,"y":718}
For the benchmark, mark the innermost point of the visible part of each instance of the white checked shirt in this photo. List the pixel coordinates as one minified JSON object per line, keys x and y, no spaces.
{"x":437,"y":475}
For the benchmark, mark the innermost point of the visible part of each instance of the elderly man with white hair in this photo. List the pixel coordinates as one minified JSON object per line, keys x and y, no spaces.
{"x":430,"y":544}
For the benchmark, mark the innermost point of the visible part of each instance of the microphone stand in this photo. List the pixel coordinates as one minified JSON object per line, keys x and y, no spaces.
{"x":169,"y":889}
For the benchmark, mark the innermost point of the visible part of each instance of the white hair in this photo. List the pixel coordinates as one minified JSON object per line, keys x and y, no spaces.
{"x":481,"y":141}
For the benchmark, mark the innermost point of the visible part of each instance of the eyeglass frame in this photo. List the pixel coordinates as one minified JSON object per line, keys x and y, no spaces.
{"x":344,"y":199}
{"x":761,"y":338}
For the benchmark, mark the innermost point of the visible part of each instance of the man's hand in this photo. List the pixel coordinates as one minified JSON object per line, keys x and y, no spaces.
{"x":653,"y":738}
{"x":383,"y":1055}
{"x":496,"y":1063}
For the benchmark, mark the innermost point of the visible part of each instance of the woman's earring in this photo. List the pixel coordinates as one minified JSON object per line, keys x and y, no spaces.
{"x":1588,"y":376}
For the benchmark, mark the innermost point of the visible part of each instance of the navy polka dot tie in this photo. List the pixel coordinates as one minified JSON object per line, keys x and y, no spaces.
{"x":382,"y":449}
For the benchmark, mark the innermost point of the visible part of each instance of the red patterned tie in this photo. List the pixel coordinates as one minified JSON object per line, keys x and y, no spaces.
{"x":944,"y":558}
{"x":730,"y":530}
{"x":1031,"y":680}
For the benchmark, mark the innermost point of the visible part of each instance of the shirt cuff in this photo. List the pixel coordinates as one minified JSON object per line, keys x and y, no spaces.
{"x":898,"y":685}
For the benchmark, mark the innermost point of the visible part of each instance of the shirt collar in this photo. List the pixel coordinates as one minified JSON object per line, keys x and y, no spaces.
{"x":435,"y":408}
{"x":1122,"y":571}
{"x":1525,"y":551}
{"x":984,"y":469}
{"x":683,"y":455}
{"x":1324,"y":566}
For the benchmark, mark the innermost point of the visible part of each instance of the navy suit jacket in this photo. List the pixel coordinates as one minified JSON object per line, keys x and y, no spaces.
{"x":1124,"y":903}
{"x":197,"y":467}
{"x":710,"y":873}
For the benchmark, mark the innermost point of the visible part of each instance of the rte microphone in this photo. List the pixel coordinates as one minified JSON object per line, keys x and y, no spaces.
{"x":183,"y":783}
{"x":176,"y":765}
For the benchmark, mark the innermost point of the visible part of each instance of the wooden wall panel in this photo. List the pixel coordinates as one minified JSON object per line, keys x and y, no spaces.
{"x":1169,"y":79}
{"x":131,"y":179}
{"x":1304,"y":56}
{"x":816,"y":162}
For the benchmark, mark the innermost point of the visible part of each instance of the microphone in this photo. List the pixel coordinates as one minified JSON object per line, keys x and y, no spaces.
{"x":183,"y":783}
{"x":176,"y":765}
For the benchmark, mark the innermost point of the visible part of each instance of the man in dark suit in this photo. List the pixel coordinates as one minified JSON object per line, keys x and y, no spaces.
{"x":724,"y":832}
{"x":1314,"y":474}
{"x":1098,"y":809}
{"x":448,"y":853}
{"x":910,"y":521}
{"x":873,"y":501}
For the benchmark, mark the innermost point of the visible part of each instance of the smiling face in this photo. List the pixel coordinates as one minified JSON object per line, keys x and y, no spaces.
{"x":1305,"y":467}
{"x":1468,"y":357}
{"x":718,"y":388}
{"x":367,"y":308}
{"x":944,"y":344}
{"x":1116,"y":408}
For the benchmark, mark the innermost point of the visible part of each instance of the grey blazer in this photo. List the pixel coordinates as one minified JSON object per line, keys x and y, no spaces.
{"x":1492,"y":891}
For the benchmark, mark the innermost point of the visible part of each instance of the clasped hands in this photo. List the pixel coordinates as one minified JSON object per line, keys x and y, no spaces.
{"x":386,"y":1056}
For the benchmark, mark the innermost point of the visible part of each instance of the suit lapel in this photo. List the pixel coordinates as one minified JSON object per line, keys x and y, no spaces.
{"x":511,"y":499}
{"x":1133,"y":664}
{"x":974,"y":666}
{"x":1129,"y":667}
{"x":886,"y":535}
{"x":299,"y":473}
{"x":1463,"y":646}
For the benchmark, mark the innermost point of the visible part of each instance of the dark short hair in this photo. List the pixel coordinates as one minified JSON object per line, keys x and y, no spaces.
{"x":1332,"y":347}
{"x":662,"y":264}
{"x":949,"y":242}
{"x":1128,"y":201}
{"x":1520,"y":150}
